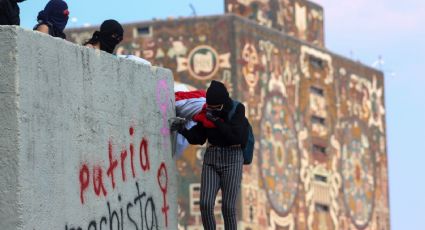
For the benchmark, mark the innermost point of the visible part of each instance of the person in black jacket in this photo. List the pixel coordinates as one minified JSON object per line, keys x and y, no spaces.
{"x":110,"y":35}
{"x":53,"y":19}
{"x":223,"y":159}
{"x":9,"y":12}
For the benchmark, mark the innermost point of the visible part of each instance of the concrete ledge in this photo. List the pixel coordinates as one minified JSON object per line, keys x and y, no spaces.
{"x":84,"y":141}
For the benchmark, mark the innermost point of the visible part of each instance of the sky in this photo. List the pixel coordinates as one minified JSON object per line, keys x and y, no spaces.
{"x":360,"y":29}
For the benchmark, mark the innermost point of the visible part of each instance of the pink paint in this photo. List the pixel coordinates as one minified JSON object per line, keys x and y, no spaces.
{"x":163,"y":101}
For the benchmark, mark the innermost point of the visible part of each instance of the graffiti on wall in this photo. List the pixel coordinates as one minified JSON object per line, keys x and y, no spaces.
{"x":125,"y":166}
{"x":131,"y":185}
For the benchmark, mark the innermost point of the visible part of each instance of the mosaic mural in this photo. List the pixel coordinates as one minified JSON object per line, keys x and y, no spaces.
{"x":279,"y":160}
{"x":298,"y":18}
{"x":363,"y":148}
{"x":319,"y":119}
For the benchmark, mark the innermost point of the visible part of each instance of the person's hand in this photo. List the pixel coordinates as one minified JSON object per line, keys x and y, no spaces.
{"x":211,"y":117}
{"x":177,"y":124}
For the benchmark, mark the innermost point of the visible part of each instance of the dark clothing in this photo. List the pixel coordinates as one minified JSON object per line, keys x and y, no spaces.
{"x":56,"y":13}
{"x":222,"y":169}
{"x":227,"y":132}
{"x":110,"y":35}
{"x":52,"y":31}
{"x":223,"y":160}
{"x":9,"y":12}
{"x":217,"y":93}
{"x":55,"y":16}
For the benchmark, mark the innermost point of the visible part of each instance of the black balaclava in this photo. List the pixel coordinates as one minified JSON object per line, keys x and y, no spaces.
{"x":55,"y":14}
{"x":110,"y":35}
{"x":217,"y":94}
{"x":9,"y":12}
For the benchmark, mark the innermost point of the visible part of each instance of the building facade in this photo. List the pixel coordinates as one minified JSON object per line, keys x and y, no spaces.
{"x":320,"y":157}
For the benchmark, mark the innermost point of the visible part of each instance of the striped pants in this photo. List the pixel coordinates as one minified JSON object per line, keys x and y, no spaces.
{"x":222,"y":169}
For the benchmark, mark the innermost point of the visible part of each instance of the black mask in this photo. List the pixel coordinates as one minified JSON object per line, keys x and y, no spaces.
{"x":110,"y":35}
{"x":215,"y":113}
{"x":223,"y":113}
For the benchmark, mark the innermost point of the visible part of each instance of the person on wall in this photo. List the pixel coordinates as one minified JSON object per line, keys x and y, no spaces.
{"x":110,"y":35}
{"x":9,"y":12}
{"x":223,"y":159}
{"x":53,"y":19}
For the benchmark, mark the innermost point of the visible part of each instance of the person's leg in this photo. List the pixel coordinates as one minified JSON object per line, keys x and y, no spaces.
{"x":230,"y":185}
{"x":210,"y":183}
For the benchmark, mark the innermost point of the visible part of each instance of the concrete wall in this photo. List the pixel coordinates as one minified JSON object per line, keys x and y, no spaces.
{"x":84,"y":141}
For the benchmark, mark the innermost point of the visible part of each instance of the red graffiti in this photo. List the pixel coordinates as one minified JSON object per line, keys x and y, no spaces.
{"x":98,"y":181}
{"x":97,"y":173}
{"x":84,"y":180}
{"x":113,"y":163}
{"x":162,"y":177}
{"x":144,"y":148}
{"x":132,"y":151}
{"x":123,"y":157}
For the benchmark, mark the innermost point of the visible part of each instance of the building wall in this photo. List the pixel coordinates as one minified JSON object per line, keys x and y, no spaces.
{"x":320,"y":158}
{"x":320,"y":124}
{"x":298,"y":18}
{"x":84,"y":138}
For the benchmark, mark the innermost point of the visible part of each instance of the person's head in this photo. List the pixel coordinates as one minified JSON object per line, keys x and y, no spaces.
{"x":55,"y":13}
{"x":218,"y":100}
{"x":110,"y":35}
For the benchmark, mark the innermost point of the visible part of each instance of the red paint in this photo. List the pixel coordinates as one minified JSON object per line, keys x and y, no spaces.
{"x":123,"y":157}
{"x":98,"y":181}
{"x":84,"y":181}
{"x":96,"y":175}
{"x":132,"y":152}
{"x":113,"y":163}
{"x":162,"y":172}
{"x":144,"y":148}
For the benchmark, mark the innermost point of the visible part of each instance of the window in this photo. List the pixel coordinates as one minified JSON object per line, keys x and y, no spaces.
{"x":320,"y":178}
{"x":195,"y":195}
{"x":321,"y":207}
{"x":143,"y":31}
{"x":318,"y":149}
{"x":317,"y":120}
{"x":317,"y":63}
{"x":317,"y":91}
